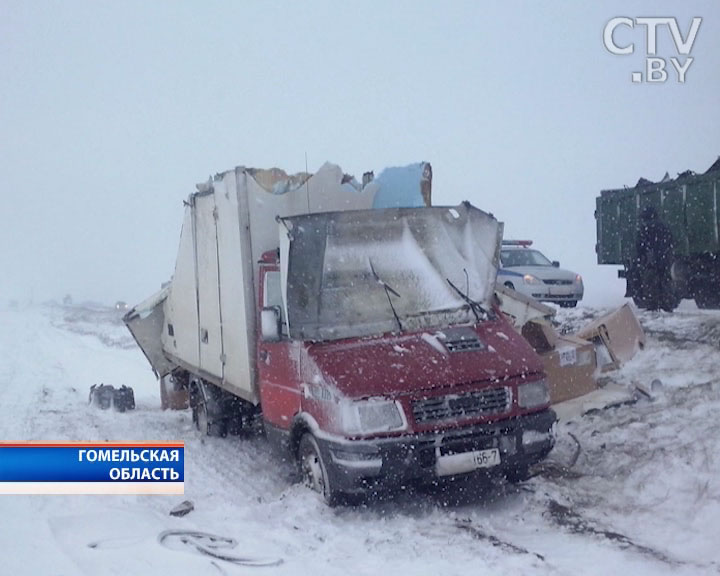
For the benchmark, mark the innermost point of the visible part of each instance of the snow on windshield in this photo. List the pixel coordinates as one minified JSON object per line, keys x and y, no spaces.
{"x":347,"y":271}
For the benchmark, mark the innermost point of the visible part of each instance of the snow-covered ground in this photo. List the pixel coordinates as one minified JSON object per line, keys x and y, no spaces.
{"x":643,"y":497}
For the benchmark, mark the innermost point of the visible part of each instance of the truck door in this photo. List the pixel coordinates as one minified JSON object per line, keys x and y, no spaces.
{"x":208,"y":285}
{"x":278,"y":378}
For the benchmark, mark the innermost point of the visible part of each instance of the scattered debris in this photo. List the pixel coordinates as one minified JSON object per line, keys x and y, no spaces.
{"x":124,"y":399}
{"x":521,"y":309}
{"x":652,"y":391}
{"x":571,"y":360}
{"x":608,"y":396}
{"x":211,"y":545}
{"x":105,"y":396}
{"x":550,"y":469}
{"x":174,"y":392}
{"x":619,"y":332}
{"x":182,"y":509}
{"x":101,"y":396}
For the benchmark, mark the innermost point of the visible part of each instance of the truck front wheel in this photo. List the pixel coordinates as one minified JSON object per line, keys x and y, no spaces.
{"x":313,"y":469}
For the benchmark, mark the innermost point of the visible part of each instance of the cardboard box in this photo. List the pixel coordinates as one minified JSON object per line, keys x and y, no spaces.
{"x":542,"y":337}
{"x":570,"y":368}
{"x":619,"y":332}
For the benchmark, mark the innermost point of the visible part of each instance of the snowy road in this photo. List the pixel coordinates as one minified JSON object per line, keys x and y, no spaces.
{"x":643,"y":497}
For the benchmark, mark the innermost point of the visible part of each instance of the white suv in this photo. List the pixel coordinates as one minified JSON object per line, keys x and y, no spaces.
{"x":528,"y":271}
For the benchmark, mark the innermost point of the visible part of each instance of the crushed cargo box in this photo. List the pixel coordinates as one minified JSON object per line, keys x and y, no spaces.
{"x":569,"y":361}
{"x":572,"y":360}
{"x":570,"y":368}
{"x":619,"y":333}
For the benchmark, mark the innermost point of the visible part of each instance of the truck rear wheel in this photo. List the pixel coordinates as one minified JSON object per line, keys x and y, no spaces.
{"x":207,"y":408}
{"x":313,"y":469}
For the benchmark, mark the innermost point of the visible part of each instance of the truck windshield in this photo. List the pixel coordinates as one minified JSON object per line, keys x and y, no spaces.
{"x":523,"y":257}
{"x":348,"y":270}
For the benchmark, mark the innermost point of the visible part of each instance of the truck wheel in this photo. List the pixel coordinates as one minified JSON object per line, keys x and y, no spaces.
{"x":206,"y":409}
{"x":207,"y":426}
{"x":313,"y":470}
{"x":509,"y":285}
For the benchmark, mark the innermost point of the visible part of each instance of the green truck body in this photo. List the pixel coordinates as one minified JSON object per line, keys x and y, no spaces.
{"x":690,"y":207}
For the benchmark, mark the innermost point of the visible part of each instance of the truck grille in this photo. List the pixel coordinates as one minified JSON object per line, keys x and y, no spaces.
{"x":558,"y":282}
{"x":457,"y":407}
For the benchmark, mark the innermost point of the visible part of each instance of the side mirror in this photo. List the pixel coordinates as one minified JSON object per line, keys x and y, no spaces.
{"x":556,"y":264}
{"x":270,"y":324}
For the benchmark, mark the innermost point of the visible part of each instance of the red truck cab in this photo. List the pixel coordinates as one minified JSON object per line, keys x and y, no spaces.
{"x":375,"y":369}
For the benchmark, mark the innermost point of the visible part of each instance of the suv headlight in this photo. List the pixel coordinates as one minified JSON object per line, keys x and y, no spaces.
{"x":372,"y":416}
{"x":533,"y":394}
{"x":530,"y":279}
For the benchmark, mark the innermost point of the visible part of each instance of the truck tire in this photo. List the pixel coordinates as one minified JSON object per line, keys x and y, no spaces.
{"x":313,"y":469}
{"x":207,"y":409}
{"x":208,"y":426}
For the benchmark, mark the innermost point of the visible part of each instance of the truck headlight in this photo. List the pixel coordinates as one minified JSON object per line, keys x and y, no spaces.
{"x":530,"y":279}
{"x":533,"y":394}
{"x":372,"y":416}
{"x":578,"y":279}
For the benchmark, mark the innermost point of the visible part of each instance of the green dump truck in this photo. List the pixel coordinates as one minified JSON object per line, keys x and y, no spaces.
{"x":689,"y":206}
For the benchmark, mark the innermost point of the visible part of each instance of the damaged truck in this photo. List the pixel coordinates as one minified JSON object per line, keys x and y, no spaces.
{"x":368,"y":341}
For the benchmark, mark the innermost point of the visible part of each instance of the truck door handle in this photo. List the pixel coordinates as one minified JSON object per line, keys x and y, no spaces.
{"x":264,"y":355}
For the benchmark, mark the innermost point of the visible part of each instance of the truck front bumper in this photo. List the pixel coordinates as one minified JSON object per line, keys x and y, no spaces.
{"x":356,"y":466}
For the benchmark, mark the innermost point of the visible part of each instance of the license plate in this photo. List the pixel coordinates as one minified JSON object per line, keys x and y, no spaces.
{"x":467,"y":462}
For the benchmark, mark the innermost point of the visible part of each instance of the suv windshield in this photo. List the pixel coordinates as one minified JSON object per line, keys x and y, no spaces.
{"x":523,"y":257}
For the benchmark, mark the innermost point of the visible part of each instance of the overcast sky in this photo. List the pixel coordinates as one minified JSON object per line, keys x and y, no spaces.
{"x":110,"y":112}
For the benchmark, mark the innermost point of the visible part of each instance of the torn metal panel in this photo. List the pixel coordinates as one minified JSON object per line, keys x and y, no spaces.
{"x":521,"y":309}
{"x":146,"y":322}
